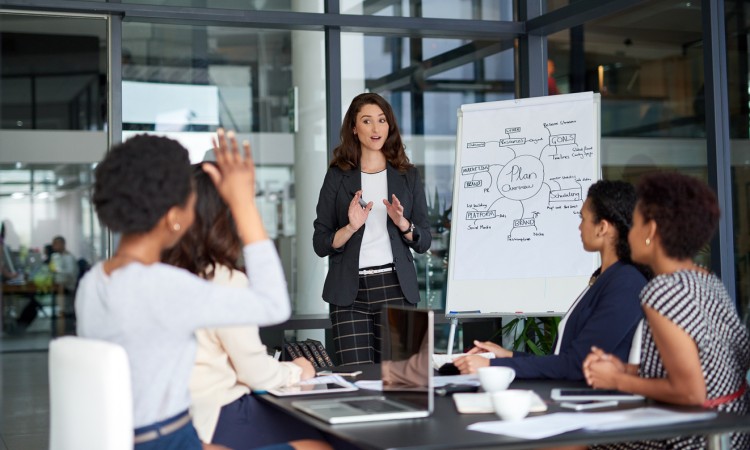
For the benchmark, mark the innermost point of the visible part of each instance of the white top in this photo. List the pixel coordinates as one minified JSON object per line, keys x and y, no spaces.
{"x":564,"y":320}
{"x":153,"y":311}
{"x":376,"y":244}
{"x":635,"y":348}
{"x":230,"y":362}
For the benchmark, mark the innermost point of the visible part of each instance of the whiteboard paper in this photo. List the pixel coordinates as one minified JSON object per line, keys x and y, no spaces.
{"x":523,"y":168}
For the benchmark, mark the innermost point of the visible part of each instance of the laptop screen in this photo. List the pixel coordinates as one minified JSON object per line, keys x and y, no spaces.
{"x":406,"y":352}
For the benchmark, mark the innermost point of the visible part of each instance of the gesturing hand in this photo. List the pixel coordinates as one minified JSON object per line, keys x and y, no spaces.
{"x":234,"y":173}
{"x":357,"y":214}
{"x":396,"y":212}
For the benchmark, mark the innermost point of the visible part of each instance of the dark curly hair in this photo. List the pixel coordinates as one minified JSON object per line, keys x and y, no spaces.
{"x":684,"y":208}
{"x":346,"y":155}
{"x":212,"y":239}
{"x":139,"y":180}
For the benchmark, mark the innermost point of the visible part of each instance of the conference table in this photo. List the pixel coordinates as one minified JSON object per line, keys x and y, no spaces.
{"x":447,"y":429}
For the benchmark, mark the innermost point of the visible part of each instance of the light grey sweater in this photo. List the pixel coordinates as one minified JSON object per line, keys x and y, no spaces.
{"x":153,"y":311}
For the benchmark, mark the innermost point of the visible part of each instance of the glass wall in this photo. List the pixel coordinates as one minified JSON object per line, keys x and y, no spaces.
{"x":245,"y":5}
{"x":738,"y":77}
{"x":647,"y":64}
{"x":186,"y":81}
{"x":441,"y":9}
{"x":53,"y":73}
{"x":53,"y":113}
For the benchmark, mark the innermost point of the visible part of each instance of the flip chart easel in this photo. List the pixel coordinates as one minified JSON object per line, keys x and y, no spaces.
{"x":523,"y":168}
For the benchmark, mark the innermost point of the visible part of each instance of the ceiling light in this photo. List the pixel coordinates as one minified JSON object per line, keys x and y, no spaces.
{"x":17,"y":195}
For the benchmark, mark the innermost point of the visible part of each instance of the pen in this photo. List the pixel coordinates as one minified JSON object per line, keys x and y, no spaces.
{"x":451,"y":388}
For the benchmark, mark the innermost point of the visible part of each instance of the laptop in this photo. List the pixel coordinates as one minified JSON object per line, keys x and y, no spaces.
{"x":406,"y":372}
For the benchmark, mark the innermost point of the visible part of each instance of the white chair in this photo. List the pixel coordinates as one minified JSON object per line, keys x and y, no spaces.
{"x":91,"y":405}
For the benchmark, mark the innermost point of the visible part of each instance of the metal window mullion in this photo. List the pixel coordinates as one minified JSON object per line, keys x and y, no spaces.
{"x":532,"y":53}
{"x":114,"y":105}
{"x":717,"y":138}
{"x":333,"y":78}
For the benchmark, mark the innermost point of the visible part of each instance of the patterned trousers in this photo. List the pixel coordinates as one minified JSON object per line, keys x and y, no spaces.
{"x":357,"y":328}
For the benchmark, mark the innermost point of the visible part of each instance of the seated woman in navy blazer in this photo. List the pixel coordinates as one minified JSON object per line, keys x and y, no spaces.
{"x":606,"y":313}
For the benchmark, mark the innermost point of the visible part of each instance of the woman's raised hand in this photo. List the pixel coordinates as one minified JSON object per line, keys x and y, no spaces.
{"x":235,"y":176}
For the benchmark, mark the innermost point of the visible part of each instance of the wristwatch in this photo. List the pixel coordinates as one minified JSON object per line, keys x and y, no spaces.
{"x":408,"y":230}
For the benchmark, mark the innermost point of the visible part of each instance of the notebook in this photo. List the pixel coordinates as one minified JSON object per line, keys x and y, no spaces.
{"x":480,"y":403}
{"x":406,"y":372}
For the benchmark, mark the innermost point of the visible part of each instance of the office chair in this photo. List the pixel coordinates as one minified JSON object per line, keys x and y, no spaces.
{"x":91,"y":405}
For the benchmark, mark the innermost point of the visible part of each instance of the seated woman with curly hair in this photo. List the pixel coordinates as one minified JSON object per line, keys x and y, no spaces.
{"x":144,"y":191}
{"x":695,"y":350}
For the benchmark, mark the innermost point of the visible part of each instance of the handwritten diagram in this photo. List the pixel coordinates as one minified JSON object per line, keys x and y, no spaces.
{"x":522,"y":177}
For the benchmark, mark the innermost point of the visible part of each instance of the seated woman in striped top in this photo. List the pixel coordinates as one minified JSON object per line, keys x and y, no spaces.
{"x":695,"y":350}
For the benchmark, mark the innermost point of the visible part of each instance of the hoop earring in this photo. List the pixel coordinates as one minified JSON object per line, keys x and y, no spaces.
{"x":176,"y":227}
{"x":648,"y":242}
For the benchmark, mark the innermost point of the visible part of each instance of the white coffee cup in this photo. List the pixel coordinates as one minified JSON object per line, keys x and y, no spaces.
{"x":495,"y":378}
{"x":511,"y":404}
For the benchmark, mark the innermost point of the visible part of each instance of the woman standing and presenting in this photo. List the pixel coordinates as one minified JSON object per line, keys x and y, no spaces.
{"x":695,"y":350}
{"x":607,"y":311}
{"x":371,"y":213}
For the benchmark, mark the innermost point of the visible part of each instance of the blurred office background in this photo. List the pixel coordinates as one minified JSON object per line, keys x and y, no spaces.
{"x":78,"y":76}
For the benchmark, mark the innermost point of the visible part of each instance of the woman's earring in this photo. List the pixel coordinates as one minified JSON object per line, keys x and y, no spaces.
{"x":176,"y":227}
{"x":648,"y":242}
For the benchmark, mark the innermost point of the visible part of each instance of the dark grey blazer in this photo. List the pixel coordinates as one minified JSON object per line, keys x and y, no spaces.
{"x":339,"y":187}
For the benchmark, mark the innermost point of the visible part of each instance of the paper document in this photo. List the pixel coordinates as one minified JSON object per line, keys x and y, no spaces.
{"x":438,"y":360}
{"x":370,"y":385}
{"x":326,"y":379}
{"x":648,"y":417}
{"x":540,"y":427}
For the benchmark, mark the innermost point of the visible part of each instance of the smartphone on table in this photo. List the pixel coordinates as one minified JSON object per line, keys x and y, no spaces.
{"x":589,"y":405}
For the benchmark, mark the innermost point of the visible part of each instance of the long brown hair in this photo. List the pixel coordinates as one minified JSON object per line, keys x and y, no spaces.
{"x":346,"y":155}
{"x":212,"y":239}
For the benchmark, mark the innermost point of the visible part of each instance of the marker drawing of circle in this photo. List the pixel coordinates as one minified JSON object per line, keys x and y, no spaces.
{"x":521,"y":178}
